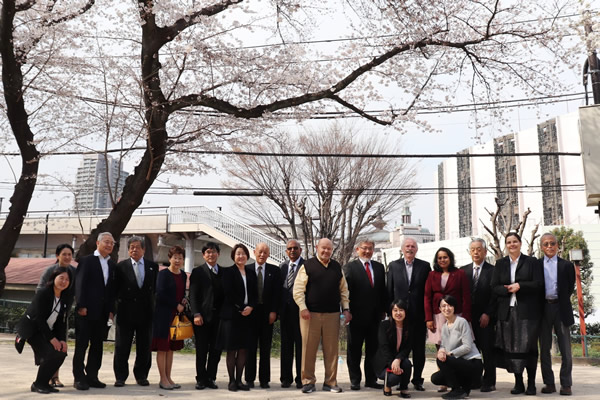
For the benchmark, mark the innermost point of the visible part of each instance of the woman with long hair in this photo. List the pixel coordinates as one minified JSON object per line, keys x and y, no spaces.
{"x":240,"y":290}
{"x":44,"y":326}
{"x":458,"y":359}
{"x":391,"y":361}
{"x":518,"y":283}
{"x":170,"y":300}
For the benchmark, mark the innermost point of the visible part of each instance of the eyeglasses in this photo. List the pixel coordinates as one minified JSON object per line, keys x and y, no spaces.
{"x":548,"y":244}
{"x":293,"y":248}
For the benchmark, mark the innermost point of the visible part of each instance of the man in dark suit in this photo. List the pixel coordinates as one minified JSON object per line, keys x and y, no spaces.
{"x":206,"y":299}
{"x":135,"y":284}
{"x":94,"y":294}
{"x":559,"y":279}
{"x":406,"y":279}
{"x":268,"y":279}
{"x":291,"y":338}
{"x":483,"y":308}
{"x":366,"y":283}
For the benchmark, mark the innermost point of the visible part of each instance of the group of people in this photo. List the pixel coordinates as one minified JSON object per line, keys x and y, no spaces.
{"x":479,"y":316}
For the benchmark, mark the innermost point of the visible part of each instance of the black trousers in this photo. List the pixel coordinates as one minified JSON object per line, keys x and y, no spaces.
{"x":484,"y":340}
{"x":261,"y":336}
{"x":418,"y":350}
{"x":46,"y":357}
{"x":207,"y":350}
{"x":392,"y":379}
{"x":126,"y":330}
{"x":357,"y":335}
{"x":291,"y":344}
{"x":458,"y":373}
{"x":88,"y":333}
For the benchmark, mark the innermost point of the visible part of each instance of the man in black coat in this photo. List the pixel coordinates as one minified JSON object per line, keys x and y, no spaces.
{"x":483,"y":308}
{"x":406,"y":279}
{"x":291,"y":338}
{"x":135,"y":285}
{"x":94,"y":294}
{"x":206,"y":299}
{"x":366,"y":283}
{"x":559,"y":279}
{"x":268,"y":279}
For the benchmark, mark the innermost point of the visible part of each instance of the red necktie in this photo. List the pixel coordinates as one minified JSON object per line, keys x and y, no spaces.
{"x":369,"y":273}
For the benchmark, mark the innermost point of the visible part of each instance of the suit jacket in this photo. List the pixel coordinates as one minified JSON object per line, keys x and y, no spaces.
{"x":530,"y":297}
{"x":166,"y":301}
{"x":413,"y":294}
{"x":135,"y":303}
{"x":203,"y":292}
{"x":457,"y":286}
{"x":38,"y":311}
{"x":271,"y":295}
{"x":566,"y":284}
{"x":287,"y":300}
{"x":233,"y":288}
{"x":367,"y":303}
{"x":483,"y":300}
{"x":386,"y":350}
{"x":90,"y":290}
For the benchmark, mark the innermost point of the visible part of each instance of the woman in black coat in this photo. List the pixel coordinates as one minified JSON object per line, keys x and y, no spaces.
{"x":240,"y":291}
{"x":170,"y":300}
{"x":44,"y":326}
{"x":518,"y":283}
{"x":391,"y":360}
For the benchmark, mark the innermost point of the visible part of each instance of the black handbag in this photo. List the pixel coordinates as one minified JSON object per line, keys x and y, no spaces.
{"x":19,"y":343}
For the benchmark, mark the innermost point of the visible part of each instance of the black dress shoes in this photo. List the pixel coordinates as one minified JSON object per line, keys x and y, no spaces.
{"x":243,"y":387}
{"x":81,"y":385}
{"x":286,"y":384}
{"x":419,"y":387}
{"x":211,"y":384}
{"x":486,"y":388}
{"x":388,"y":393}
{"x":233,"y":386}
{"x":200,"y":386}
{"x":355,"y":386}
{"x":95,"y":383}
{"x":374,"y":385}
{"x":119,"y":383}
{"x":530,"y":390}
{"x":40,"y":389}
{"x":518,"y":389}
{"x":250,"y":384}
{"x":264,"y":385}
{"x":547,"y":389}
{"x":299,"y":385}
{"x":143,"y":382}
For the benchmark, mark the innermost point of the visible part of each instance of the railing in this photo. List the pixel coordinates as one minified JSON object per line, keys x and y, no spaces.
{"x":223,"y":223}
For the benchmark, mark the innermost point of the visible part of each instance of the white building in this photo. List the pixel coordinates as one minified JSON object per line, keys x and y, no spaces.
{"x":95,"y":182}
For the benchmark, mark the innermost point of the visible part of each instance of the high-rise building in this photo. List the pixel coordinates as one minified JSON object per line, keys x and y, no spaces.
{"x":551,"y":186}
{"x":96,"y":183}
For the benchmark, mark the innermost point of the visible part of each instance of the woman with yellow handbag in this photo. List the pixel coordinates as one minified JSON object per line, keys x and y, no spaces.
{"x":170,"y":301}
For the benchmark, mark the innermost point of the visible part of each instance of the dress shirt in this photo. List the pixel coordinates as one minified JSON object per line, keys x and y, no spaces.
{"x":245,"y":289}
{"x":409,"y":267}
{"x":365,"y":260}
{"x":104,"y":264}
{"x":550,"y":277}
{"x":299,"y":293}
{"x":54,"y":314}
{"x":513,"y":272}
{"x":213,"y":268}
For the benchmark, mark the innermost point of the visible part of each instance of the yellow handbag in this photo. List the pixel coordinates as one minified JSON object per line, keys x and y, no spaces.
{"x":181,"y":328}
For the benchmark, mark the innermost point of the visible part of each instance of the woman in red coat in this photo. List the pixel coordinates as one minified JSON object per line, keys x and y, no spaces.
{"x":445,"y":279}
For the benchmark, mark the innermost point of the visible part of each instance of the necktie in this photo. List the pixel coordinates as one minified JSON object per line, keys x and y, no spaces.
{"x":215,"y":270}
{"x":290,"y":277}
{"x":369,"y":273}
{"x":260,"y":284}
{"x":476,"y":277}
{"x":138,"y":275}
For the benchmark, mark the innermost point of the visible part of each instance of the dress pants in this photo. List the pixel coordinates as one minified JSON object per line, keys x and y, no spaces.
{"x":357,"y":335}
{"x":321,"y":328}
{"x":47,"y":357}
{"x":484,"y":340}
{"x":458,"y":373}
{"x":261,"y":335}
{"x":92,"y":333}
{"x":550,"y":320}
{"x":291,"y":344}
{"x":418,"y":350}
{"x":392,"y":379}
{"x":206,"y":349}
{"x":143,"y":353}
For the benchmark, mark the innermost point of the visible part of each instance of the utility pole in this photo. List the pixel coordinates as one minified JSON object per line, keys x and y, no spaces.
{"x":592,"y":66}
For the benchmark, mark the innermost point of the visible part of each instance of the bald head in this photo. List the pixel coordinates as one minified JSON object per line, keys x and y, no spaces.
{"x":261,"y":253}
{"x":324,"y":250}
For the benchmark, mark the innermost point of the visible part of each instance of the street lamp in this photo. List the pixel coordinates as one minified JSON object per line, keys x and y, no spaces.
{"x":576,"y":255}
